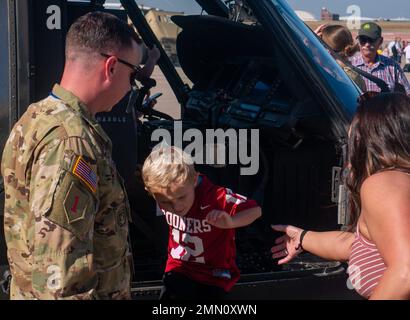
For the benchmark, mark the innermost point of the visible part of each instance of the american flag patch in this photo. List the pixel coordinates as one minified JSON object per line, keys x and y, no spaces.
{"x":85,"y":173}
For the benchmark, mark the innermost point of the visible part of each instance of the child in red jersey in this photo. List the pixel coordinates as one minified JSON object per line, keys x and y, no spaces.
{"x":202,"y":218}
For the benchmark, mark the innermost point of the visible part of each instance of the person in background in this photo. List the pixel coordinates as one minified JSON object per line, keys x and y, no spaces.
{"x":395,"y":49}
{"x":385,"y":52}
{"x":407,"y":57}
{"x":370,"y":39}
{"x":400,"y":48}
{"x":377,"y":244}
{"x":340,"y":40}
{"x":403,"y":46}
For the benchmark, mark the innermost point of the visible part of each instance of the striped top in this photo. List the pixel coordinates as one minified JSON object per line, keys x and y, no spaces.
{"x":366,"y":265}
{"x":383,"y":69}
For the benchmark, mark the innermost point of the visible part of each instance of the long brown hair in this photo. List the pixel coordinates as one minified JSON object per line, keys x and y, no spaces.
{"x":379,"y":140}
{"x":340,"y":39}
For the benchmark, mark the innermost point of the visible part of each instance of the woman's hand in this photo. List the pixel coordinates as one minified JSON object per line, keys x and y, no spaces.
{"x":287,"y":245}
{"x":319,"y":30}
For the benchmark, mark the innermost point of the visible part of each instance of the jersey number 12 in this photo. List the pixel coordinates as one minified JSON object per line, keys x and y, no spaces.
{"x":185,"y":252}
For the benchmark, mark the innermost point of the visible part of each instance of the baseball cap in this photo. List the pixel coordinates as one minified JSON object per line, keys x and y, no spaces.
{"x":371,"y":30}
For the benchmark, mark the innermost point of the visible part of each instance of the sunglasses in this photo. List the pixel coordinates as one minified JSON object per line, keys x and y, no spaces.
{"x":137,"y":69}
{"x":363,"y":40}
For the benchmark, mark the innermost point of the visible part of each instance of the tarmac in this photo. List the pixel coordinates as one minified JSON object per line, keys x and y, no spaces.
{"x":167,"y":103}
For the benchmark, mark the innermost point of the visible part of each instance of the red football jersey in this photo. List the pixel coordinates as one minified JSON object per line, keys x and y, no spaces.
{"x":198,"y":250}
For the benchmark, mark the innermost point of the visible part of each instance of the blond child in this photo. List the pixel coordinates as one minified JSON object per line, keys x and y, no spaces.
{"x":202,"y":218}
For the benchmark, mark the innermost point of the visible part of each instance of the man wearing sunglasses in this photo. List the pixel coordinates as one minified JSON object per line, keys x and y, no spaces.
{"x":370,"y":40}
{"x":66,"y":209}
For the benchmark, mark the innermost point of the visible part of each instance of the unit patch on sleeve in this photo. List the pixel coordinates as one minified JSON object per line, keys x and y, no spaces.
{"x":76,"y":203}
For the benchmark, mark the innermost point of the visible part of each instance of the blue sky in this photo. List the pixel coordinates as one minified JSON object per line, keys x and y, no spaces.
{"x":187,"y":6}
{"x":369,"y":8}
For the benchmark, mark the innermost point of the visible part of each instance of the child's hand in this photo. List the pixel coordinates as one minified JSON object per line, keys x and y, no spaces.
{"x":220,"y":219}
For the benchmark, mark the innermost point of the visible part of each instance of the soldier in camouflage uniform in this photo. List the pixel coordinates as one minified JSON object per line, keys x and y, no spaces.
{"x":66,"y":209}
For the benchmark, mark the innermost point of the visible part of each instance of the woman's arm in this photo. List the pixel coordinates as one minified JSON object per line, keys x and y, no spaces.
{"x":332,"y":245}
{"x":386,"y":213}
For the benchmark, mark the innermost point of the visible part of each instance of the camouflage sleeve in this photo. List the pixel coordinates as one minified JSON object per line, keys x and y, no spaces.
{"x":63,"y":201}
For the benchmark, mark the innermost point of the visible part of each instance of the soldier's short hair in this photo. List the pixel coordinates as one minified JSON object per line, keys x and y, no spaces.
{"x":167,"y":165}
{"x":102,"y":32}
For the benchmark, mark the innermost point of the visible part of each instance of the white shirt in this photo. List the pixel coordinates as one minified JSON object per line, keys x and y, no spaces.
{"x":407,"y":51}
{"x":398,"y":47}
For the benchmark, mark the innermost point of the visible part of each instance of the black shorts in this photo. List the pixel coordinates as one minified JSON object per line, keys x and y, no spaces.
{"x":179,"y":287}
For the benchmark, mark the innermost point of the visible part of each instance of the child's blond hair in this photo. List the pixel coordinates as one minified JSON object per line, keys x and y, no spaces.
{"x":167,"y":165}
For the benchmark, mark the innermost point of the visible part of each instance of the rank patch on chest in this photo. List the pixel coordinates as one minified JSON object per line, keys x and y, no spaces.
{"x":86,"y":174}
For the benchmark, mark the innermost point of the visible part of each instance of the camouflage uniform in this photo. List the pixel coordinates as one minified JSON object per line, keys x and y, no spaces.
{"x":66,"y":210}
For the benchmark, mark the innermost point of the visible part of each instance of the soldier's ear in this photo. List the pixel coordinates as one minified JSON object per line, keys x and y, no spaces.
{"x":109,"y":66}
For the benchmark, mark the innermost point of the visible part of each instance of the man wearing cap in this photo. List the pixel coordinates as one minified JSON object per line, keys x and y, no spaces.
{"x":370,"y":39}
